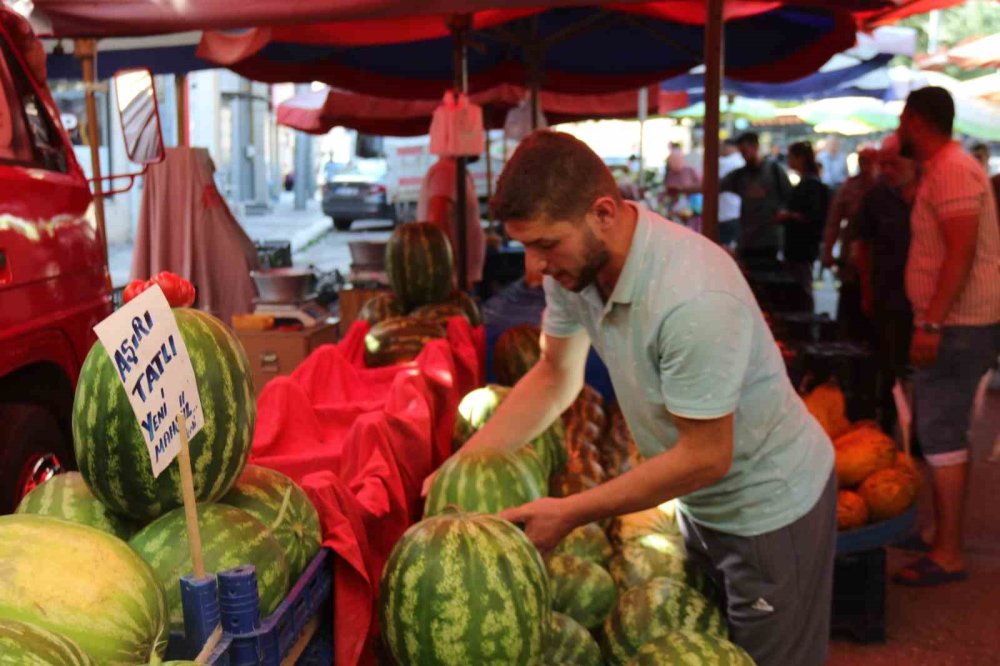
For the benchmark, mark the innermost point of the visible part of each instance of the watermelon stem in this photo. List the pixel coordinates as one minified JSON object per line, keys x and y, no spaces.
{"x":285,"y":502}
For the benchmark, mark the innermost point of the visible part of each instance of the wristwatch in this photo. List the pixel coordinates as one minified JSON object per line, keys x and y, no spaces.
{"x":928,"y":327}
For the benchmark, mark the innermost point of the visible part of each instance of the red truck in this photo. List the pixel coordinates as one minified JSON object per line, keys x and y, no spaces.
{"x":54,"y":281}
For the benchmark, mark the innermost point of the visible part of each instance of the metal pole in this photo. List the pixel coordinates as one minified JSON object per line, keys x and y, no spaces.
{"x":459,"y":26}
{"x":86,"y":51}
{"x":643,"y":111}
{"x":714,"y":66}
{"x":180,"y":84}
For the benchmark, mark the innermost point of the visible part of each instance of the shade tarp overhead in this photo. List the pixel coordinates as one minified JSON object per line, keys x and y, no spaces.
{"x":979,"y":53}
{"x":317,"y":111}
{"x":162,"y":54}
{"x":87,"y":18}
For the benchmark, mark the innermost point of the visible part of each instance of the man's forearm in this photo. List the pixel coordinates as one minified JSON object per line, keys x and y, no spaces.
{"x":532,"y":406}
{"x":954,"y":274}
{"x":669,"y":475}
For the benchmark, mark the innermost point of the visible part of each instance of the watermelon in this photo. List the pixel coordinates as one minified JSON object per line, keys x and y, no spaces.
{"x":468,"y":305}
{"x":637,"y":564}
{"x":381,"y":307}
{"x":440,"y":313}
{"x":516,"y":351}
{"x":462,"y":589}
{"x":485,"y":481}
{"x":399,"y":340}
{"x":568,"y":643}
{"x":656,"y":608}
{"x":478,"y":406}
{"x":110,"y":445}
{"x":23,"y":644}
{"x":587,"y":542}
{"x":688,"y":647}
{"x":83,"y":584}
{"x":581,"y":589}
{"x":230,"y":537}
{"x":275,"y":500}
{"x":419,"y":264}
{"x":660,"y":520}
{"x":67,"y":496}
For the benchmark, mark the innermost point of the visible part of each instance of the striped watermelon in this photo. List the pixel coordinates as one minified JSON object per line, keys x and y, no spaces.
{"x":468,"y":305}
{"x":637,"y":564}
{"x":587,"y":542}
{"x":230,"y":537}
{"x":516,"y":351}
{"x":478,"y":406}
{"x":419,"y":264}
{"x":23,"y":644}
{"x":275,"y":500}
{"x":462,"y":589}
{"x":651,"y":610}
{"x":381,"y":307}
{"x":109,"y":443}
{"x":83,"y":584}
{"x":66,"y":496}
{"x":440,"y":313}
{"x":568,"y":643}
{"x":660,"y":520}
{"x":581,"y":589}
{"x":688,"y":647}
{"x":483,"y":481}
{"x":399,"y":340}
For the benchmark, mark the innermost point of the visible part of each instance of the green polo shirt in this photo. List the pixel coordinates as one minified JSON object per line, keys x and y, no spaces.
{"x":682,"y":334}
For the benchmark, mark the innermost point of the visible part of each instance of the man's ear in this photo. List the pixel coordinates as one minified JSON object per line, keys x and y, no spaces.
{"x":605,"y":211}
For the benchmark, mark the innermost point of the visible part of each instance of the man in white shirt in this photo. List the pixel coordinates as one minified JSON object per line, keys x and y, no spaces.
{"x":729,"y":202}
{"x":437,"y":204}
{"x":953,"y":283}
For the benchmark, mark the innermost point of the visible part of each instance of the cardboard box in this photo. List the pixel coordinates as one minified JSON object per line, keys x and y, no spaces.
{"x":274,"y":353}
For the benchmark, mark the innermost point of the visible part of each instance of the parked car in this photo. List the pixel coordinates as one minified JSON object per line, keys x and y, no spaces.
{"x":357,"y":192}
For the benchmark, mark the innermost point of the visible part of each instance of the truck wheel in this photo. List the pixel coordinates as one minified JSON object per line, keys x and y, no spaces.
{"x":342,"y":223}
{"x":32,"y":450}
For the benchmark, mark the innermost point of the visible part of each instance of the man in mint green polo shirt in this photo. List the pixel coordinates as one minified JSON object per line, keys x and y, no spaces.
{"x":702,"y":386}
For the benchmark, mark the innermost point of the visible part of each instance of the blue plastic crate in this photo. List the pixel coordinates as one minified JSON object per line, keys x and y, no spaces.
{"x":232,"y":599}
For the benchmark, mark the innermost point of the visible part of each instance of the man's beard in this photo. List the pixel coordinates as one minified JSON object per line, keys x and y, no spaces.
{"x":595,"y":257}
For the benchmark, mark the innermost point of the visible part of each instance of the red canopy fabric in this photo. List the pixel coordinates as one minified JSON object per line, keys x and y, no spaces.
{"x":903,"y":9}
{"x":360,"y":443}
{"x":317,"y":111}
{"x":86,"y":18}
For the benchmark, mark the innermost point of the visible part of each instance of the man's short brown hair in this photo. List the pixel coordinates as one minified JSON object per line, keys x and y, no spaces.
{"x":551,"y":176}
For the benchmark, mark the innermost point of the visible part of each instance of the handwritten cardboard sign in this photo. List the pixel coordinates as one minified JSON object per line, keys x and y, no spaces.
{"x":147,"y":350}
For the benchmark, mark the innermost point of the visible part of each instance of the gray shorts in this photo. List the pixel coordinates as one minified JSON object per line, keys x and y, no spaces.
{"x":778,"y":586}
{"x":943,"y":393}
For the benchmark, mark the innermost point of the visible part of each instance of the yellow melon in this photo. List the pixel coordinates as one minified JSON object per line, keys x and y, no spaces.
{"x":909,"y":466}
{"x":862,"y":456}
{"x":858,"y":431}
{"x":851,"y":510}
{"x":888,"y":493}
{"x":826,"y":403}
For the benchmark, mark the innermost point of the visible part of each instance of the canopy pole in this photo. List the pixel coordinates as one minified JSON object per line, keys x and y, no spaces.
{"x":714,"y":65}
{"x":86,"y":51}
{"x":181,"y":97}
{"x":643,"y":112}
{"x":459,"y":27}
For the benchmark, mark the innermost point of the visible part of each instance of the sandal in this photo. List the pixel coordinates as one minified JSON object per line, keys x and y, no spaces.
{"x":925,"y":572}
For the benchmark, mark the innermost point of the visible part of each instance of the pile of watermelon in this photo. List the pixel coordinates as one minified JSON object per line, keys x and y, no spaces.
{"x":92,"y":560}
{"x":419,"y":265}
{"x":465,"y":587}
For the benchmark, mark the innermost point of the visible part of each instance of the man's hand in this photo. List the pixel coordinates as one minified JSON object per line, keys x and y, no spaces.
{"x":546,"y":521}
{"x":426,"y":488}
{"x":924,"y":348}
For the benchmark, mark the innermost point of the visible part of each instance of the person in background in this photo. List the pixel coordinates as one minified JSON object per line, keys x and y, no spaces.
{"x":879,"y":254}
{"x":841,"y":224}
{"x":982,"y":154}
{"x":952,"y":272}
{"x":776,"y":153}
{"x":329,"y":169}
{"x":834,"y":171}
{"x":763,"y":187}
{"x":436,"y":203}
{"x":680,"y":181}
{"x":804,"y":215}
{"x":729,"y":202}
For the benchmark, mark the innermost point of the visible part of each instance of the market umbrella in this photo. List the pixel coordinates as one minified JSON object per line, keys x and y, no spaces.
{"x":317,"y":111}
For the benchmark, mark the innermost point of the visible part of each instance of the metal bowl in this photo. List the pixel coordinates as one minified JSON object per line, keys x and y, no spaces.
{"x":282,"y":285}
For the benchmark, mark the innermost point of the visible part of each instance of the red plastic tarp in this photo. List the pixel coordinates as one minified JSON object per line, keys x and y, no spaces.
{"x":86,"y":18}
{"x":319,"y":110}
{"x":360,"y":442}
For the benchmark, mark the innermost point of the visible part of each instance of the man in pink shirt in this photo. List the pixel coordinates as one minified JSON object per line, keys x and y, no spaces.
{"x":953,"y":283}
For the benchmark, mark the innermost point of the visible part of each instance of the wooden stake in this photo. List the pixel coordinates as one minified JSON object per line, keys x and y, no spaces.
{"x":714,"y":71}
{"x":190,"y":505}
{"x":86,"y":51}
